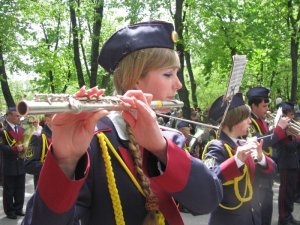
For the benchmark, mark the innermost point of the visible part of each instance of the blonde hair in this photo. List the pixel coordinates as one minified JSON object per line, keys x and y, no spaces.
{"x":134,"y":66}
{"x":137,"y":64}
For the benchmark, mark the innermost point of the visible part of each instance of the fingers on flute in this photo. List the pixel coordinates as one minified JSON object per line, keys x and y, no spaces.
{"x":83,"y":92}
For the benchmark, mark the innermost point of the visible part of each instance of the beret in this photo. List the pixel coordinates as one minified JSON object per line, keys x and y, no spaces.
{"x":218,"y":107}
{"x":182,"y":124}
{"x":258,"y":92}
{"x":11,"y":109}
{"x":286,"y":106}
{"x":152,"y":34}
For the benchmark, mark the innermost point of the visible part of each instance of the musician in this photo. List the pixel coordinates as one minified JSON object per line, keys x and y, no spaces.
{"x":288,"y":164}
{"x":232,"y":159}
{"x":258,"y":100}
{"x":297,"y":193}
{"x":123,"y":170}
{"x":185,"y":129}
{"x":11,"y":145}
{"x":38,"y":146}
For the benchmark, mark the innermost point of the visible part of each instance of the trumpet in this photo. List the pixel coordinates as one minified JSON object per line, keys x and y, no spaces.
{"x":63,"y":103}
{"x":293,"y":127}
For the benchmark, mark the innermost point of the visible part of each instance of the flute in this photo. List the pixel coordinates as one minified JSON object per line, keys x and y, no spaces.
{"x":63,"y":103}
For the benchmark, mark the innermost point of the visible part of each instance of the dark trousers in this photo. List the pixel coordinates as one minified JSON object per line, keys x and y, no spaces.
{"x":13,"y":193}
{"x":266,"y":196}
{"x":1,"y":168}
{"x":286,"y":198}
{"x":35,"y":180}
{"x":297,"y":191}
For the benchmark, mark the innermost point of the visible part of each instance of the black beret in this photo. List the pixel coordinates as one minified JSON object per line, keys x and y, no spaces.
{"x":258,"y":92}
{"x":286,"y":106}
{"x":182,"y":124}
{"x":11,"y":109}
{"x":152,"y":34}
{"x":219,"y":106}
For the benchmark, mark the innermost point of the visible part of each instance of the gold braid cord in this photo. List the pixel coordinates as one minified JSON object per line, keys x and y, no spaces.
{"x":10,"y":141}
{"x":235,"y":182}
{"x":45,"y":146}
{"x":112,"y":186}
{"x":104,"y":142}
{"x":267,"y":151}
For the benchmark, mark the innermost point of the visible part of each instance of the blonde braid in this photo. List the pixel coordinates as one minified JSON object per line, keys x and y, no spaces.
{"x":151,"y":200}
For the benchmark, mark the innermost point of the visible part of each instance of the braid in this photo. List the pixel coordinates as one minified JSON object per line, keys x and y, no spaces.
{"x":151,"y":200}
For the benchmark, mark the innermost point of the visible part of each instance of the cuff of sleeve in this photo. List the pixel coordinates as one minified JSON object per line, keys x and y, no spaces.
{"x":270,"y":165}
{"x":57,"y":191}
{"x":280,"y":132}
{"x":229,"y":169}
{"x":263,"y":161}
{"x":239,"y":163}
{"x":177,"y":169}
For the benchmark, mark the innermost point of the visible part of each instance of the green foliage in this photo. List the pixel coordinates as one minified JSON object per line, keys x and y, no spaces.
{"x":37,"y":41}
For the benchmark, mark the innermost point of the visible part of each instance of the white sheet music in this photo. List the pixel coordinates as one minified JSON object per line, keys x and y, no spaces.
{"x":238,"y":68}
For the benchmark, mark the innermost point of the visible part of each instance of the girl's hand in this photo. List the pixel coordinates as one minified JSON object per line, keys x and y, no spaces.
{"x":72,"y":133}
{"x":142,"y":119}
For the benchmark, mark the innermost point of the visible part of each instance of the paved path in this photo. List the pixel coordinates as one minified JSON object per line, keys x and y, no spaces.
{"x":188,"y":218}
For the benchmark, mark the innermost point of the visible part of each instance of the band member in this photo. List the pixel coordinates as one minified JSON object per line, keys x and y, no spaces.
{"x":11,"y":145}
{"x":288,"y":164}
{"x":123,"y":168}
{"x":37,"y":150}
{"x":258,"y":100}
{"x":185,"y":129}
{"x":237,"y":163}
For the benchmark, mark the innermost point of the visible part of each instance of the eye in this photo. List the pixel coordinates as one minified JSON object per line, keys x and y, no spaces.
{"x":167,"y":74}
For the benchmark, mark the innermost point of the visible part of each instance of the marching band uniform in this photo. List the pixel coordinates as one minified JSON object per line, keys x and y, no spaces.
{"x":38,"y":146}
{"x":105,"y":187}
{"x":259,"y":128}
{"x":54,"y":201}
{"x":13,"y":169}
{"x":240,"y":203}
{"x":288,"y":164}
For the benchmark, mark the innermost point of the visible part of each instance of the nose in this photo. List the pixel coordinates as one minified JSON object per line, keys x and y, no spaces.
{"x":178,"y":84}
{"x":249,"y":120}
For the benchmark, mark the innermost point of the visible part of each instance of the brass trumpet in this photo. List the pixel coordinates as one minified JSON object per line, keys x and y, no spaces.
{"x":293,"y":127}
{"x":59,"y":103}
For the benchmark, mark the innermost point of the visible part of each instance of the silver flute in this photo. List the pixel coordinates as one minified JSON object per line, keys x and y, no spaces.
{"x":64,"y":103}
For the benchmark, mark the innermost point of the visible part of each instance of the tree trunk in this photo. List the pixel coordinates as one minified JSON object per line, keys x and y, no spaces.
{"x":192,"y":79}
{"x":294,"y":49}
{"x":95,"y":42}
{"x":76,"y":45}
{"x":4,"y":85}
{"x":183,"y":92}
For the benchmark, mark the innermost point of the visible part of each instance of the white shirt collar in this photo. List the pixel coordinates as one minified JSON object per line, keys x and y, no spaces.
{"x":11,"y":125}
{"x":119,"y":123}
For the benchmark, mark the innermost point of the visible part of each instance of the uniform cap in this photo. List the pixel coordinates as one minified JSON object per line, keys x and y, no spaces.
{"x":11,"y":109}
{"x":218,"y":108}
{"x":286,"y":106}
{"x":258,"y":92}
{"x":152,"y":34}
{"x":182,"y":124}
